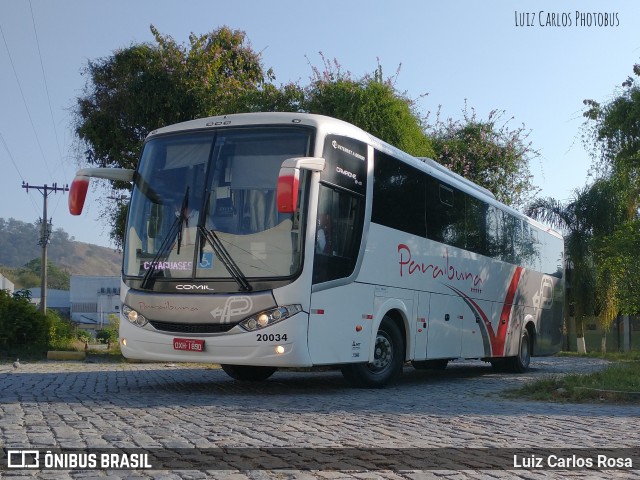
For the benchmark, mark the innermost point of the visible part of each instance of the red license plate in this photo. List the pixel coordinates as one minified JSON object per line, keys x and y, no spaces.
{"x":188,"y":344}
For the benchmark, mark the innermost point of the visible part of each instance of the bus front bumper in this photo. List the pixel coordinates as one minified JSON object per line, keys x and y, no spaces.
{"x":281,"y":345}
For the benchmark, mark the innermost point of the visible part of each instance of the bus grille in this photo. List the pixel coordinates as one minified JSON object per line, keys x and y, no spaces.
{"x":192,"y":327}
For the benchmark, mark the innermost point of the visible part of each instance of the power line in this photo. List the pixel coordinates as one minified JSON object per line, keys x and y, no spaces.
{"x":24,"y":101}
{"x":46,"y":88}
{"x":11,"y":156}
{"x":15,"y":165}
{"x":44,"y":78}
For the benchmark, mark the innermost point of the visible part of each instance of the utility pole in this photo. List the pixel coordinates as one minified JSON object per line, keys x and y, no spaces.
{"x":45,"y":231}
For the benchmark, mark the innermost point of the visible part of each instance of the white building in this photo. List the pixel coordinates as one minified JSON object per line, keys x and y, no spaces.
{"x":6,"y":284}
{"x":93,"y":299}
{"x":57,"y":300}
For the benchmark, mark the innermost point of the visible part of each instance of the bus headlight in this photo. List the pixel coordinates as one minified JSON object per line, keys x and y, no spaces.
{"x":269,"y":317}
{"x":133,"y":316}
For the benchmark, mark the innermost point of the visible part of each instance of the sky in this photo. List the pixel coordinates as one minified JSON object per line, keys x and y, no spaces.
{"x":491,"y":55}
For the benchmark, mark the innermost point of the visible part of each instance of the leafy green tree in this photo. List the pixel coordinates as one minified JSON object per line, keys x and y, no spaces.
{"x":21,"y":323}
{"x":29,"y":275}
{"x":110,"y":332}
{"x":619,"y":256}
{"x":567,"y":217}
{"x":371,"y":103}
{"x":62,"y":333}
{"x":612,"y":130}
{"x":489,"y":153}
{"x":612,"y":134}
{"x":147,"y":86}
{"x":596,"y":227}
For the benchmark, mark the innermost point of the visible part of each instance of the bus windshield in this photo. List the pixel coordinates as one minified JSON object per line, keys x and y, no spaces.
{"x":204,"y":207}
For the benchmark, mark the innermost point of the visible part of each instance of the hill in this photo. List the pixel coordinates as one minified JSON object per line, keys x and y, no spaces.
{"x":19,"y":245}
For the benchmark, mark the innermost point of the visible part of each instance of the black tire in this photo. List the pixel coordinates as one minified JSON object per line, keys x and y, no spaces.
{"x":387,"y":365}
{"x":248,"y":373}
{"x":439,"y":364}
{"x":520,"y":363}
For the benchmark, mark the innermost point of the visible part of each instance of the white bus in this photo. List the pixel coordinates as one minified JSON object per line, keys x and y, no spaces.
{"x":266,"y":240}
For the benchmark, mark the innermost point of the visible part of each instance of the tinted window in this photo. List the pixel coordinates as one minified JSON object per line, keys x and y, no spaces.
{"x":445,"y":213}
{"x":477,"y":225}
{"x":398,"y":195}
{"x":338,"y":233}
{"x":403,"y":196}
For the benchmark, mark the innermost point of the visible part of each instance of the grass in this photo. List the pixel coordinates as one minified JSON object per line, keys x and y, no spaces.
{"x":617,"y":383}
{"x":633,"y":356}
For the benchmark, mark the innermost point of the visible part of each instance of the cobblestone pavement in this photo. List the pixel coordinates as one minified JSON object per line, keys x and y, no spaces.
{"x":169,"y":406}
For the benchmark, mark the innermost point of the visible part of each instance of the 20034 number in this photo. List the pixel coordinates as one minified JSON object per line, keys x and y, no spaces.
{"x":271,"y":337}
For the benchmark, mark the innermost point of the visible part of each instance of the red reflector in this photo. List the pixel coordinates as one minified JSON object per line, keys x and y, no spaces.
{"x":287,"y":191}
{"x":317,"y":311}
{"x":77,"y":194}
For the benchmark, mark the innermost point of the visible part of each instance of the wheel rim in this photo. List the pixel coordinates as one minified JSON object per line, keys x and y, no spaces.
{"x":383,"y":354}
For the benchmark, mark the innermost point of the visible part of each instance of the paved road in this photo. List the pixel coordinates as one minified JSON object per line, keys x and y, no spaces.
{"x":169,"y":406}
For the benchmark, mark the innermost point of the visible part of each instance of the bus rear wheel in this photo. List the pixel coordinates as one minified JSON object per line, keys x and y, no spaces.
{"x":248,"y":373}
{"x":387,"y":363}
{"x":520,"y":363}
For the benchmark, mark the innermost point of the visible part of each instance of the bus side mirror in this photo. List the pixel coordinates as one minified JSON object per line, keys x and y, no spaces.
{"x":289,"y":181}
{"x":80,"y":184}
{"x":78,"y":194}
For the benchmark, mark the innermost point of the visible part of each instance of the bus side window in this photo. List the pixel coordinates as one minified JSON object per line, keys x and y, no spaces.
{"x":338,"y":234}
{"x":476,"y":225}
{"x":445,"y":214}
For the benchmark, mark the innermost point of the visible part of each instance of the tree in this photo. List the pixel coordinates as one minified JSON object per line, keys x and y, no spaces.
{"x":591,"y":223}
{"x":612,"y":134}
{"x":21,"y":323}
{"x":371,"y":103}
{"x":612,"y":130}
{"x":147,"y":86}
{"x":619,"y":255}
{"x":29,"y":275}
{"x":567,"y":218}
{"x":488,"y":153}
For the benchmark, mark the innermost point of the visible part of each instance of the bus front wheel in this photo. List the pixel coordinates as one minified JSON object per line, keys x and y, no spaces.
{"x":248,"y":373}
{"x":387,"y":362}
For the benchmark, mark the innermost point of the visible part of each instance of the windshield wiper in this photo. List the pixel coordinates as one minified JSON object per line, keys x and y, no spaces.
{"x":224,"y":256}
{"x":174,"y":231}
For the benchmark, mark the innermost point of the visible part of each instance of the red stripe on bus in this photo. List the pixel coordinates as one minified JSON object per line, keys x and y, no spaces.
{"x":503,"y":322}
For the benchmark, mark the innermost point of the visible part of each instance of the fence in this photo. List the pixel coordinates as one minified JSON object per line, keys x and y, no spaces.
{"x":615,"y":335}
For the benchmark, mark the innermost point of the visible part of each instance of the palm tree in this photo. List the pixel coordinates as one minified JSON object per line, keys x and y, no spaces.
{"x":586,"y":220}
